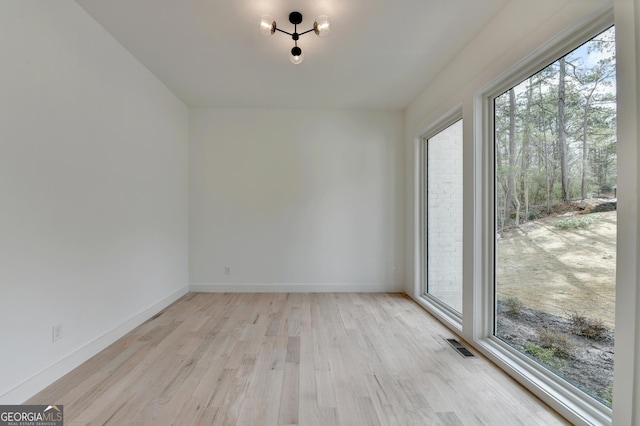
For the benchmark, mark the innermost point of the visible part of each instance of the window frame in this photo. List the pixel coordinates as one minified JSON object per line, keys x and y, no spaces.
{"x":446,"y":313}
{"x":571,"y":402}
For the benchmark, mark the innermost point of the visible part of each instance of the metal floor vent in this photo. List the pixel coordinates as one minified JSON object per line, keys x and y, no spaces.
{"x":459,"y":347}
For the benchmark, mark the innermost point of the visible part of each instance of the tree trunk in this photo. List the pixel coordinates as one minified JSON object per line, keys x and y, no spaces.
{"x":512,"y":192}
{"x":526,"y":154}
{"x":585,"y":148}
{"x":583,"y":186}
{"x":562,"y":132}
{"x":547,"y":174}
{"x":545,"y":145}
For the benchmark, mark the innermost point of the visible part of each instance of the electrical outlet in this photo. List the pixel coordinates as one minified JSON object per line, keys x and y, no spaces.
{"x":227,"y":270}
{"x":56,"y":332}
{"x":394,"y":270}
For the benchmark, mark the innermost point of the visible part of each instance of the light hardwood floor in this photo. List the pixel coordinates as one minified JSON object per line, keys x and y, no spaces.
{"x":285,"y":359}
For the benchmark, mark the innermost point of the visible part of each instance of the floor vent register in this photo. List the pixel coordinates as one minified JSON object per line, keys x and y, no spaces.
{"x":460,"y":348}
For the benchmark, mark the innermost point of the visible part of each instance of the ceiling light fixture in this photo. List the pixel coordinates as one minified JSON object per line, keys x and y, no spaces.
{"x":321,"y":27}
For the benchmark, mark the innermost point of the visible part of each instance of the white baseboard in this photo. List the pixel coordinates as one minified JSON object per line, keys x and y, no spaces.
{"x":29,"y":388}
{"x":295,"y":288}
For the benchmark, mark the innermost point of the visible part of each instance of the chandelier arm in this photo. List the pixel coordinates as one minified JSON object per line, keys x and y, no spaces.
{"x":278,"y":29}
{"x":308,"y":31}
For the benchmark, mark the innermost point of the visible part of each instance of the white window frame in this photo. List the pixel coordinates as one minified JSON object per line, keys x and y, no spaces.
{"x":572,"y":403}
{"x":444,"y":312}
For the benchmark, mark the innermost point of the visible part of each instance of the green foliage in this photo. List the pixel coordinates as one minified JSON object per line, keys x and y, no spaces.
{"x":513,"y":304}
{"x":575,"y":222}
{"x":533,"y":214}
{"x":591,"y":328}
{"x":560,"y":342}
{"x":607,"y":395}
{"x":546,"y":356}
{"x":606,"y":187}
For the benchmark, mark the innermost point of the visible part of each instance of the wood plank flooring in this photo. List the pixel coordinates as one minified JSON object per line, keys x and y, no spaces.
{"x":291,"y":359}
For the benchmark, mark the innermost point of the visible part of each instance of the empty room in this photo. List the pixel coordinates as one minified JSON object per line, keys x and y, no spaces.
{"x":319,"y":213}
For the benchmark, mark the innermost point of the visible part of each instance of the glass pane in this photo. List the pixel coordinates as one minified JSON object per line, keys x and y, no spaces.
{"x":555,"y":187}
{"x":444,"y":216}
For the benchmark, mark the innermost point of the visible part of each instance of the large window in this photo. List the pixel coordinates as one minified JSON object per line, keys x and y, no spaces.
{"x":555,"y":216}
{"x":443,"y":216}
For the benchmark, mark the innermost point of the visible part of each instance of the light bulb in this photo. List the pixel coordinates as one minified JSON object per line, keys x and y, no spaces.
{"x":322,"y":26}
{"x":296,"y":56}
{"x":267,"y":25}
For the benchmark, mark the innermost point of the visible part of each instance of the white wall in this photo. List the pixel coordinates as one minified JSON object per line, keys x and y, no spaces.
{"x":93,"y":192}
{"x":516,"y":32}
{"x":300,"y":200}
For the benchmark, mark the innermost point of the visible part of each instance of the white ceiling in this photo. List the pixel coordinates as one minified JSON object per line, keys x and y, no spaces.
{"x":210,"y":53}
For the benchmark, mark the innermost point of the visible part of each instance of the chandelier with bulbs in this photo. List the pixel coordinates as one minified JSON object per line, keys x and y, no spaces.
{"x":321,"y":27}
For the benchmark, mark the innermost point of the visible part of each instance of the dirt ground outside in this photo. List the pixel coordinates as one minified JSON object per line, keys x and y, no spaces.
{"x":560,"y":271}
{"x":555,"y":273}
